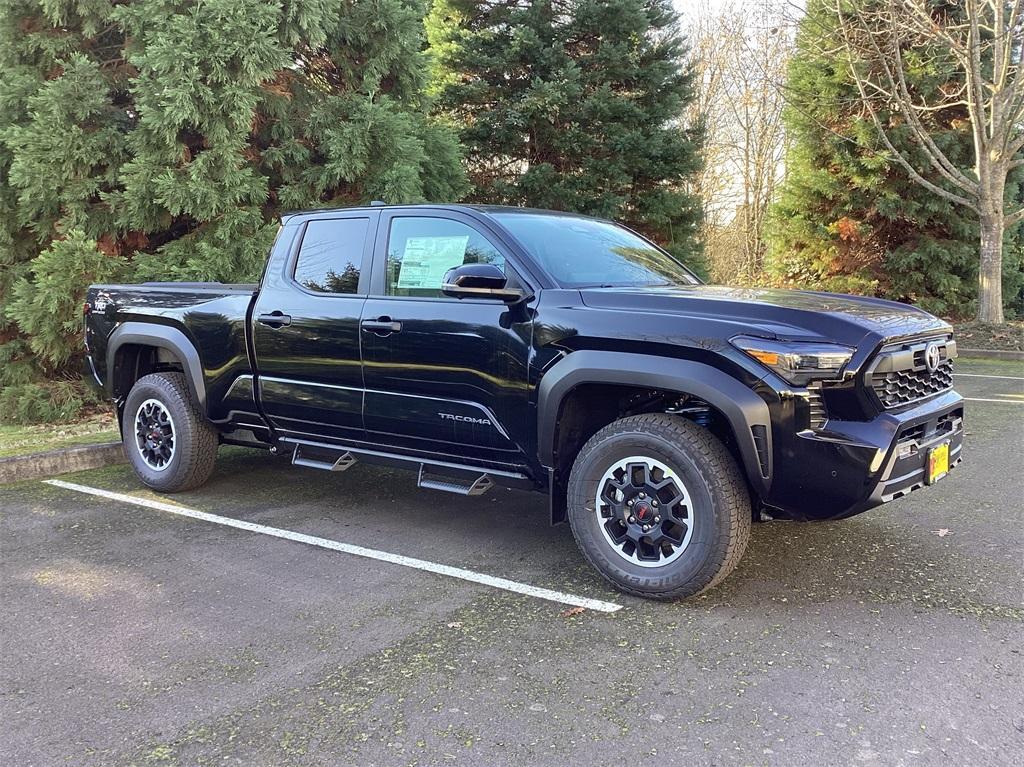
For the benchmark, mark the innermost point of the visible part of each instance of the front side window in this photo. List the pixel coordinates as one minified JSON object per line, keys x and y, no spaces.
{"x":422,"y":249}
{"x":584,"y":252}
{"x":331,"y":254}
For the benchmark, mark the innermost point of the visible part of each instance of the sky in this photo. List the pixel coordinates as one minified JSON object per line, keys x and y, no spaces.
{"x":689,"y":7}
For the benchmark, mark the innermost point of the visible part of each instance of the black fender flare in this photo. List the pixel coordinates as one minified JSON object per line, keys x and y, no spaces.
{"x":747,"y":413}
{"x":164,"y":337}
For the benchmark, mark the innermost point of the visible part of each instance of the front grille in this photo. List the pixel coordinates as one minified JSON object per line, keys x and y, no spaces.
{"x":914,"y":433}
{"x":947,"y":422}
{"x":900,"y":375}
{"x":905,"y":386}
{"x":816,"y":413}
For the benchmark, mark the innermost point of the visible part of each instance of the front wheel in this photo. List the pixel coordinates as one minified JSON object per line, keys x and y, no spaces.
{"x":658,"y":506}
{"x":167,"y":440}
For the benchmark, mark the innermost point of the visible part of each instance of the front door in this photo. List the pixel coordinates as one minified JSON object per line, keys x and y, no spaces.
{"x":443,"y":375}
{"x":306,"y":329}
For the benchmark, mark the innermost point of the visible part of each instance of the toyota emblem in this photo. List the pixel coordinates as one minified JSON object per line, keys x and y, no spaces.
{"x":932,"y":357}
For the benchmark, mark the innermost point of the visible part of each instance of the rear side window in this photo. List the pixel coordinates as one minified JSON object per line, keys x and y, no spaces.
{"x":421,"y":249}
{"x":331,"y":255}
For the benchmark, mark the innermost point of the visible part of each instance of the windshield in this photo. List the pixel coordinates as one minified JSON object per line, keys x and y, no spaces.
{"x":582,"y":252}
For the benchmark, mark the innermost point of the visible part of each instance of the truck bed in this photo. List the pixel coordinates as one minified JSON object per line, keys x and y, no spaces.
{"x":204,"y":318}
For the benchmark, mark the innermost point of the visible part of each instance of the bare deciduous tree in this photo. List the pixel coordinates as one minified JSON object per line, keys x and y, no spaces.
{"x":983,"y":39}
{"x":741,"y":54}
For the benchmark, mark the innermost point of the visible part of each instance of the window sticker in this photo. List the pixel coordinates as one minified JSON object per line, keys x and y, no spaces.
{"x":426,"y":259}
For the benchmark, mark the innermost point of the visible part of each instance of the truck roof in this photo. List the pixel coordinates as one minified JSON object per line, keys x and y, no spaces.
{"x":486,"y":209}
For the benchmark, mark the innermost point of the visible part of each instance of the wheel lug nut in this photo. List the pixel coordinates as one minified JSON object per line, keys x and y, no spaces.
{"x":643,"y":495}
{"x":646,"y":528}
{"x":654,"y":504}
{"x":632,"y":518}
{"x":629,"y":502}
{"x":657,"y":519}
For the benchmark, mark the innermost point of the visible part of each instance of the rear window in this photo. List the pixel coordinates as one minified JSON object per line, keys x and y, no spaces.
{"x":331,"y":255}
{"x":584,"y":252}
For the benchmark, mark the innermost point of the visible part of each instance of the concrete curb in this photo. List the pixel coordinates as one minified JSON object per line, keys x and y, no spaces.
{"x":990,"y":354}
{"x":19,"y":468}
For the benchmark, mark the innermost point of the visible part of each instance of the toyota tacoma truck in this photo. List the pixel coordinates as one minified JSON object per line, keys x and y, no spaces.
{"x":484,"y":346}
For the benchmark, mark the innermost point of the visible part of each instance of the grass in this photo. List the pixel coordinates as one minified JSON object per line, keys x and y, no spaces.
{"x":24,"y":440}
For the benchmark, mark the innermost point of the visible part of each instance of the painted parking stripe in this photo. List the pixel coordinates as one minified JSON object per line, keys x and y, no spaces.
{"x":1004,"y":401}
{"x":983,"y":375}
{"x":348,"y":548}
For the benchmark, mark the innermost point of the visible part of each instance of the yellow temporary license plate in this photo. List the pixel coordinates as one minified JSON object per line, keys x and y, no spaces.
{"x":938,"y":462}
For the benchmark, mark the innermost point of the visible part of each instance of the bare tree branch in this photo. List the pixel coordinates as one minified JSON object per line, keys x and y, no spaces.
{"x":984,"y":40}
{"x":740,"y":55}
{"x":937,"y":159}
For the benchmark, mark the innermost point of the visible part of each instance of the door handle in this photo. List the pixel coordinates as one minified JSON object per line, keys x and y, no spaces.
{"x":381,"y":326}
{"x":275,"y":319}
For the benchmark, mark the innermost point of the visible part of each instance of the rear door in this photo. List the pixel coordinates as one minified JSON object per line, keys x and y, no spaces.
{"x":443,"y":375}
{"x":306,"y":329}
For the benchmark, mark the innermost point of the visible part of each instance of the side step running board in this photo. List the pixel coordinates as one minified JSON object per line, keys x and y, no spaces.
{"x":450,"y":484}
{"x":450,"y":477}
{"x":345,"y":461}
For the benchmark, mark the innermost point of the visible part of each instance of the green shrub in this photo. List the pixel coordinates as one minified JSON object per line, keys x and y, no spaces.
{"x":45,"y":401}
{"x":47,"y":303}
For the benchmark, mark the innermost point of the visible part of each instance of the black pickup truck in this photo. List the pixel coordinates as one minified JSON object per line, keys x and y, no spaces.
{"x":564,"y":354}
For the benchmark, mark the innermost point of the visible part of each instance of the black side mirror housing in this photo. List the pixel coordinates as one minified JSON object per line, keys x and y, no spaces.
{"x":479,"y":281}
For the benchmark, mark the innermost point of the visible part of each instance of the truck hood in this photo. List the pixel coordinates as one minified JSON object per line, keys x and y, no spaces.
{"x":774,"y":313}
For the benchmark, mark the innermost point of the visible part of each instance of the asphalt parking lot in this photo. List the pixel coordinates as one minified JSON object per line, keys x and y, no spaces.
{"x":131,"y":635}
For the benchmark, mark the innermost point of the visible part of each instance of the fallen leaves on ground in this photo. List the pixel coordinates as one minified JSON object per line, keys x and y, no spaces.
{"x":977,"y":335}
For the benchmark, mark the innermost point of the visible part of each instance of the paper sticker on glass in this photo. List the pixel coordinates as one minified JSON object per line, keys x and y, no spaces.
{"x":426,"y":259}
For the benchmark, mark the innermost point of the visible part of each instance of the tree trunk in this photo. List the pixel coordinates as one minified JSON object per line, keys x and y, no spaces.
{"x":990,"y":273}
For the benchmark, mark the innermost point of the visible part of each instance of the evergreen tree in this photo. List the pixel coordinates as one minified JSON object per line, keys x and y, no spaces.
{"x":573,"y":105}
{"x":847,"y":218}
{"x":162,"y":138}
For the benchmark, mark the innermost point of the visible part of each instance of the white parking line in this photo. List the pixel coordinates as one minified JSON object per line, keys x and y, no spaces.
{"x":348,"y":548}
{"x":983,"y":375}
{"x":1004,"y":401}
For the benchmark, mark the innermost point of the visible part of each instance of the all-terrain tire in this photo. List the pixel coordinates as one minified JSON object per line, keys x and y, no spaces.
{"x":195,"y":441}
{"x":718,"y":507}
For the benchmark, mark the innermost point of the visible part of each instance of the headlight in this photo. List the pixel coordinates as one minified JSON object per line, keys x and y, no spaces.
{"x":797,"y":362}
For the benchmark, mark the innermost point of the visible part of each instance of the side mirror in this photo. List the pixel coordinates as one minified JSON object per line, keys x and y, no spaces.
{"x":478,"y":281}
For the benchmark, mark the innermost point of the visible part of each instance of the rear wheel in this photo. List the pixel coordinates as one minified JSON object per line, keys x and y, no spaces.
{"x":167,"y":440}
{"x":658,"y":506}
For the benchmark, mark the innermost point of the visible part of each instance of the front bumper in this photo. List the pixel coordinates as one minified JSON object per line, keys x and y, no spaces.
{"x":905,"y":467}
{"x":849,"y":467}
